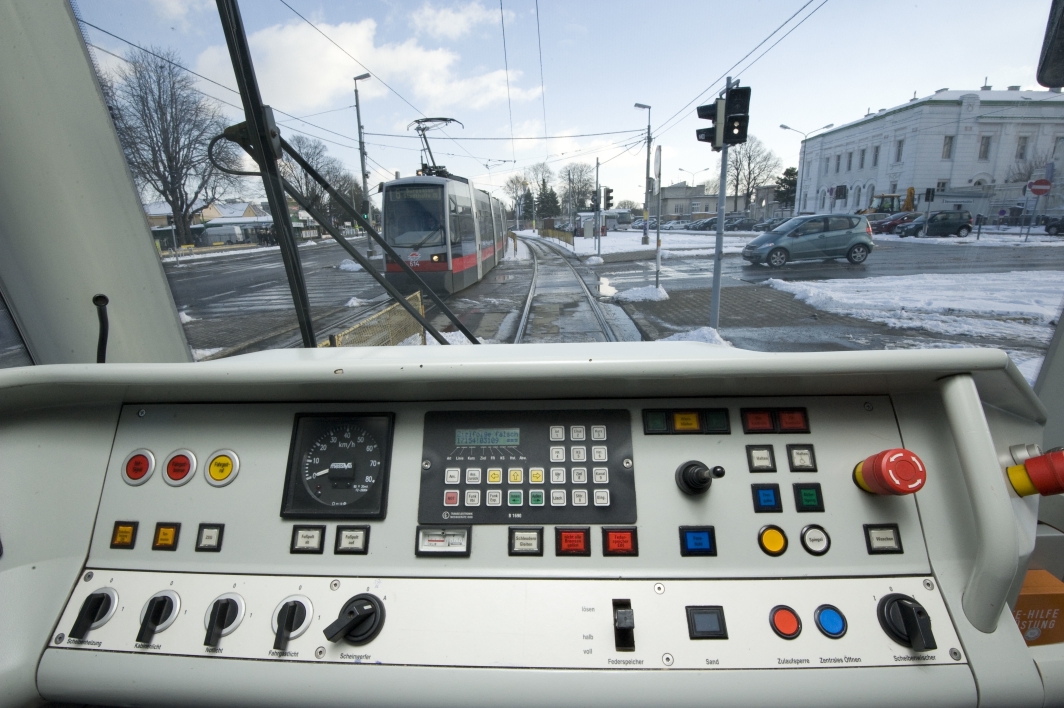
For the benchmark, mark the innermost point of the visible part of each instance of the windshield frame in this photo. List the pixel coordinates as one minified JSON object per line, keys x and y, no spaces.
{"x":392,"y":212}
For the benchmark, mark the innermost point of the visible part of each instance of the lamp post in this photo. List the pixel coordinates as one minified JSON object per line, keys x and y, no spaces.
{"x":646,"y":190}
{"x":362,"y":155}
{"x":696,"y":172}
{"x":801,"y":160}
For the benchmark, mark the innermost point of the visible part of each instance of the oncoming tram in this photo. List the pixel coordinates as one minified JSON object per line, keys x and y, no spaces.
{"x":448,"y":231}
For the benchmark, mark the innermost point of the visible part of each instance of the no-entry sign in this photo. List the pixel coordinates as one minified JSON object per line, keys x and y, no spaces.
{"x":1040,"y":187}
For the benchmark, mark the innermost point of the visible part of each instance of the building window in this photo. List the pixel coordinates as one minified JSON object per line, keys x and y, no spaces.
{"x":871,"y":193}
{"x":805,"y":200}
{"x":678,"y":209}
{"x":947,"y":147}
{"x":694,"y":207}
{"x":823,"y":198}
{"x":1058,"y":147}
{"x":860,"y":160}
{"x":1021,"y":147}
{"x":875,"y":156}
{"x":898,"y":150}
{"x":827,"y":164}
{"x":893,"y":187}
{"x":942,"y":184}
{"x":849,"y":161}
{"x":857,"y":197}
{"x":984,"y":147}
{"x":838,"y":162}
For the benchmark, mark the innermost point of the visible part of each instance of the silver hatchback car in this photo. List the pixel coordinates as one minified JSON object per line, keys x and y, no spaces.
{"x":813,"y":237}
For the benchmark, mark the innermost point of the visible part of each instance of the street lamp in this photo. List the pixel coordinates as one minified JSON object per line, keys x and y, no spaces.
{"x":362,"y":155}
{"x":646,"y":194}
{"x":801,"y":159}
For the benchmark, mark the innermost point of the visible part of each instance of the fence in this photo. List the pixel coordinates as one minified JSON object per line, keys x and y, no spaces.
{"x":386,"y":328}
{"x":563,"y":236}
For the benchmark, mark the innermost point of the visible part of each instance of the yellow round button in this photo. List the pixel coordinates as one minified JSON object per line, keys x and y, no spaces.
{"x":222,"y":468}
{"x":772,"y":540}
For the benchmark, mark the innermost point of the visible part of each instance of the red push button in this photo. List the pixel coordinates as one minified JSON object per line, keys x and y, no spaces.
{"x":793,"y":420}
{"x":178,"y":467}
{"x":450,"y":497}
{"x":785,"y":622}
{"x":137,"y":467}
{"x":620,"y":542}
{"x":896,"y":471}
{"x":758,"y":421}
{"x":572,"y":542}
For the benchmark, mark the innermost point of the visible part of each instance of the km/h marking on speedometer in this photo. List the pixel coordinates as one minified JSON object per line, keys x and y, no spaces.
{"x":342,"y":466}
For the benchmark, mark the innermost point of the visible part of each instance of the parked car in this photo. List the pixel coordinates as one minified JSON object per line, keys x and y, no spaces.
{"x":813,"y":237}
{"x":1054,"y":226}
{"x":893,"y":221}
{"x":675,"y":225}
{"x":740,"y":225}
{"x":770,"y":223}
{"x":940,"y":223}
{"x":637,"y":224}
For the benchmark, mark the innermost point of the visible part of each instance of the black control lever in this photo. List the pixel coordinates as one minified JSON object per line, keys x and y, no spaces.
{"x":623,"y":625}
{"x":159,"y":609}
{"x":289,"y":617}
{"x":94,"y":607}
{"x":906,"y":621}
{"x":695,"y":477}
{"x":355,"y":613}
{"x":218,"y":621}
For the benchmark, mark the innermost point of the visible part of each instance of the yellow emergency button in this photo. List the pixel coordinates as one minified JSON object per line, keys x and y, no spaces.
{"x":772,"y":540}
{"x":686,"y":422}
{"x":222,"y":468}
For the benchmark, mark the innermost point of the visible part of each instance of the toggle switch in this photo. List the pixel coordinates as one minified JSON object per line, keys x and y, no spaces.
{"x":623,"y":625}
{"x":906,"y":622}
{"x":896,"y":471}
{"x":359,"y":622}
{"x":1042,"y":474}
{"x":97,"y":608}
{"x":695,"y":477}
{"x":222,"y":618}
{"x":158,"y":613}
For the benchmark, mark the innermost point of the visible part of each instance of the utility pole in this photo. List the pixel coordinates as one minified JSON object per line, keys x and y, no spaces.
{"x":657,"y":180}
{"x":646,"y":195}
{"x":718,"y":258}
{"x":598,"y":239}
{"x":372,"y":251}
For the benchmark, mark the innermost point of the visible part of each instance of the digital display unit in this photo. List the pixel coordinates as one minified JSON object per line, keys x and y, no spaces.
{"x":487,"y":436}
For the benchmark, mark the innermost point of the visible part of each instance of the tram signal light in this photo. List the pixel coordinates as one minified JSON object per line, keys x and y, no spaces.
{"x":595,"y":201}
{"x":737,"y":115}
{"x":714,"y":135}
{"x":607,"y":198}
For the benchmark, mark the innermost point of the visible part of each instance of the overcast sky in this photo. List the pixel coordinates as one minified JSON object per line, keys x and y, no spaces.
{"x":443,"y":58}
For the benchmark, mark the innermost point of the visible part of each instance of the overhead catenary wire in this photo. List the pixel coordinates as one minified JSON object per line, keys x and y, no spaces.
{"x":542,"y":91}
{"x":506,"y":67}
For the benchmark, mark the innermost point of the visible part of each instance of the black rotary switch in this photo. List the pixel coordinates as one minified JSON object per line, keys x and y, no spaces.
{"x":93,"y":610}
{"x":289,"y":618}
{"x":694,"y":477}
{"x":360,"y":620}
{"x":223,"y":614}
{"x":906,"y":621}
{"x":158,"y":610}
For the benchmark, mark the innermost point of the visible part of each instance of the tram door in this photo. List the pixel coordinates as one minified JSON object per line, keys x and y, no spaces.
{"x":476,"y":230}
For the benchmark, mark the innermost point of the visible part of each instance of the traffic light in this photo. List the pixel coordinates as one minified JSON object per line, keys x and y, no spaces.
{"x":714,"y":135}
{"x":607,"y":198}
{"x":737,"y":115}
{"x":595,"y":201}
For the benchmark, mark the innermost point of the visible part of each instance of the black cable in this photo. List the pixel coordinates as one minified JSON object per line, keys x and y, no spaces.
{"x":506,"y":67}
{"x":542,"y":91}
{"x":100,"y":301}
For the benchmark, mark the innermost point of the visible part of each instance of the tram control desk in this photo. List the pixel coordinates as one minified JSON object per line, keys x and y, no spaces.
{"x":606,"y":525}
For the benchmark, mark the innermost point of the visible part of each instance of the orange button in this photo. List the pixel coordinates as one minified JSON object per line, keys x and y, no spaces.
{"x":772,"y":540}
{"x":165,"y":537}
{"x":785,"y":622}
{"x":686,"y":421}
{"x":124,"y":534}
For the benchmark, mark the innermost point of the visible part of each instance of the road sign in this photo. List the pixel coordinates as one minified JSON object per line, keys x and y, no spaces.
{"x":1002,"y":212}
{"x":1040,"y":187}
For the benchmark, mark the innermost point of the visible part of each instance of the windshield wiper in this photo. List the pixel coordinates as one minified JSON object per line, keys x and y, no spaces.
{"x":425,"y":240}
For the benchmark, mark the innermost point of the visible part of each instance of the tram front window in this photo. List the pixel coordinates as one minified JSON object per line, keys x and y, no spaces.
{"x":413,"y":216}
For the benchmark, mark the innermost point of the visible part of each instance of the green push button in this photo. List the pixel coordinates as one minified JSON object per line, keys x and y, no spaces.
{"x":516,"y":497}
{"x":656,"y":422}
{"x":808,"y":497}
{"x":535,"y":497}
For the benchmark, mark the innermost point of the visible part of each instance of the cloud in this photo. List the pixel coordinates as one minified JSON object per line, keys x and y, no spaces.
{"x":300,"y":71}
{"x":453,"y":22}
{"x":178,"y":9}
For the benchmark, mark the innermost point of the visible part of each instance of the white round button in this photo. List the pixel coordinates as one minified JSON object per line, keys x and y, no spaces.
{"x":815,"y":540}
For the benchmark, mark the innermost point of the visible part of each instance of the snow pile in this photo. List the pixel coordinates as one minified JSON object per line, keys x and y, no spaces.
{"x":1016,"y":238}
{"x":519,"y":254}
{"x":356,"y":302}
{"x":349,"y":265}
{"x":702,"y":334}
{"x":185,"y":318}
{"x":200,"y":354}
{"x":648,"y":293}
{"x":456,"y":338}
{"x":594,"y":260}
{"x":1019,"y":306}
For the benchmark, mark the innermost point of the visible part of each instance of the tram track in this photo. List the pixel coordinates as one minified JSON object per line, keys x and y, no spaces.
{"x":553,"y":294}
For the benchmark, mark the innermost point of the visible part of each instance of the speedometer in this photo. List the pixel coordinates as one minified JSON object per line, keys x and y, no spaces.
{"x":338,"y":467}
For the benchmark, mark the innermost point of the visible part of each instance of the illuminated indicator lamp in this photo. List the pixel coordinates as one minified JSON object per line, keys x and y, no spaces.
{"x":222,"y":468}
{"x":785,"y":622}
{"x":572,"y":542}
{"x":138,"y":467}
{"x":436,"y":258}
{"x":620,"y":542}
{"x":179,"y":467}
{"x":758,"y":421}
{"x":793,"y":420}
{"x":891,"y":472}
{"x":686,"y":422}
{"x":1043,"y":474}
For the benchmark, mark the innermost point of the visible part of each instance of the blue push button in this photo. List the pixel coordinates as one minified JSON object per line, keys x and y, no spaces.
{"x":830,"y":621}
{"x":766,"y":498}
{"x":698,"y":541}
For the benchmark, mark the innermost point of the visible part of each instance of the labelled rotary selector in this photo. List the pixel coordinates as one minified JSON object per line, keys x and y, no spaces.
{"x":95,"y":611}
{"x":695,"y":477}
{"x":290,"y":619}
{"x":158,"y":613}
{"x":222,"y":618}
{"x":359,"y":622}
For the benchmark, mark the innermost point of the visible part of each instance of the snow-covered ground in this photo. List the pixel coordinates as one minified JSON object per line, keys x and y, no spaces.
{"x":1017,"y":306}
{"x":702,"y":334}
{"x":677,"y":244}
{"x":1014,"y":238}
{"x":182,"y":257}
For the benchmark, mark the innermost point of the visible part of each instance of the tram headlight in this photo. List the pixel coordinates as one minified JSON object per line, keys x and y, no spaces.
{"x":436,"y":258}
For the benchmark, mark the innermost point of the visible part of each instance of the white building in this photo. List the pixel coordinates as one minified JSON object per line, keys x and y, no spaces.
{"x":954,"y":141}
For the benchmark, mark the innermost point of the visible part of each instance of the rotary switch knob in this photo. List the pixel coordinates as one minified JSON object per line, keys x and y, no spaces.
{"x":891,"y":472}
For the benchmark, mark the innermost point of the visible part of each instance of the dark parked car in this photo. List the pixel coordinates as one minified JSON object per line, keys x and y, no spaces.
{"x":940,"y":223}
{"x":888,"y":225}
{"x":769,"y":224}
{"x":810,"y":237}
{"x":1054,"y":226}
{"x":739,"y":225}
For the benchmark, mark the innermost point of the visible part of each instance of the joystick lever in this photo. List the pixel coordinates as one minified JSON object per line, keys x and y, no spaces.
{"x":219,"y":620}
{"x":355,"y":613}
{"x":94,"y":607}
{"x":695,"y":477}
{"x":289,"y":617}
{"x":157,"y":612}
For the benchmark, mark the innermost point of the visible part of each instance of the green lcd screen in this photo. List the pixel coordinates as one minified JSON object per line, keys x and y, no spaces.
{"x":487,"y":436}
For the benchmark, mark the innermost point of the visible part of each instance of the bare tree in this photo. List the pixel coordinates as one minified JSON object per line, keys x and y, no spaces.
{"x":314,"y":152}
{"x":514,"y":187}
{"x":627,"y":204}
{"x":576,"y":184}
{"x":751,"y":165}
{"x":539,"y":173}
{"x":164,"y":126}
{"x":1023,"y":170}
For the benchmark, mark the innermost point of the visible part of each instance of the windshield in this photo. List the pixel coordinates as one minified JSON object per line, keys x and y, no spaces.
{"x":413,"y":216}
{"x":528,"y":174}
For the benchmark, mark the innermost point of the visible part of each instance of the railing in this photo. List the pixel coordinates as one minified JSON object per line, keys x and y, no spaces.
{"x":386,"y":328}
{"x":563,"y":236}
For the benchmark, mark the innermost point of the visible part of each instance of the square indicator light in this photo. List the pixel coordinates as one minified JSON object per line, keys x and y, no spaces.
{"x":793,"y":420}
{"x":801,"y":458}
{"x":686,"y":422}
{"x":758,"y":420}
{"x":706,"y":622}
{"x":307,"y":539}
{"x":443,"y":541}
{"x":808,"y":497}
{"x":882,"y":538}
{"x":525,"y":541}
{"x":655,"y":422}
{"x":351,"y":540}
{"x":761,"y":458}
{"x":124,"y":534}
{"x":536,"y":497}
{"x":165,"y":538}
{"x":572,"y":541}
{"x":766,"y":498}
{"x":717,"y":421}
{"x":620,"y":542}
{"x":209,"y":538}
{"x":698,"y":541}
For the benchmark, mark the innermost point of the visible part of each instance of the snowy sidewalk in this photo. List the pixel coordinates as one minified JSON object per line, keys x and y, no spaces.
{"x":673,"y":243}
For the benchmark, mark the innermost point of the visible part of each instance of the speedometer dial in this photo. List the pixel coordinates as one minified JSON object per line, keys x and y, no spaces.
{"x":342,"y":466}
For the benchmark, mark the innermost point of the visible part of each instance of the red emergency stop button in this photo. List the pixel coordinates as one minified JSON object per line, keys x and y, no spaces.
{"x":896,"y":471}
{"x":137,"y":467}
{"x":1043,"y":474}
{"x":785,"y":622}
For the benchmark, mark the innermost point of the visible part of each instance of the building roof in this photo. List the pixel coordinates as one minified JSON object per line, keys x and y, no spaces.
{"x":239,"y":220}
{"x":163,"y":209}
